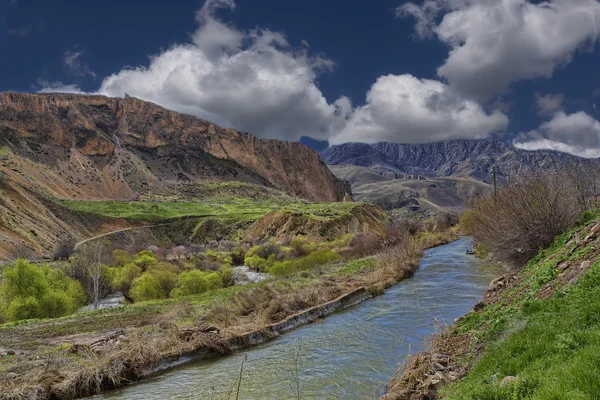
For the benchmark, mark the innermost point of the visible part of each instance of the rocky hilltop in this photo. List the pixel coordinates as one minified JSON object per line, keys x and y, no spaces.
{"x":460,"y":158}
{"x":94,"y":147}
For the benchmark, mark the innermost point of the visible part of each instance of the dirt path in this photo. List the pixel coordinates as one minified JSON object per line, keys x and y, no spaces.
{"x":78,"y":244}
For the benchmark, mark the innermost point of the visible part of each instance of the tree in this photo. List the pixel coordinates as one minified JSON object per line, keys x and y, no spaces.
{"x":93,"y":259}
{"x":65,"y":249}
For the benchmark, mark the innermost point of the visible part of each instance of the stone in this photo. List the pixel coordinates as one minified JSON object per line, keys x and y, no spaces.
{"x":123,"y":338}
{"x":496,"y":284}
{"x":507,"y":380}
{"x":11,"y":353}
{"x":11,"y":375}
{"x":563,"y":266}
{"x":437,"y":366}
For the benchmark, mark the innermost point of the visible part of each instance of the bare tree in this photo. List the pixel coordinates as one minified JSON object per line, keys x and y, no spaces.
{"x":21,"y":251}
{"x":93,"y":257}
{"x":65,"y":249}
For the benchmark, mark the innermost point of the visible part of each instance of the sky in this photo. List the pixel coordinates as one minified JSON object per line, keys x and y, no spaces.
{"x":526,"y":72}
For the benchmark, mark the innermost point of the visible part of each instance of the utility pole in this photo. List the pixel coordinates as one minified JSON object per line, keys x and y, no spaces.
{"x":495,"y":187}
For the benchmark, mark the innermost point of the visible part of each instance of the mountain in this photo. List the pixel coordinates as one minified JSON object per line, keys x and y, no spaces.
{"x":57,"y":147}
{"x":462,"y":158}
{"x":425,"y":179}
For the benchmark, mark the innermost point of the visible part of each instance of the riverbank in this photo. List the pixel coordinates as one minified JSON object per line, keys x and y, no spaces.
{"x":88,"y":353}
{"x":534,"y":335}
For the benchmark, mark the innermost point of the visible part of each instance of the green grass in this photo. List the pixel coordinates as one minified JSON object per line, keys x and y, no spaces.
{"x":555,"y":354}
{"x":241,"y":207}
{"x":551,"y":345}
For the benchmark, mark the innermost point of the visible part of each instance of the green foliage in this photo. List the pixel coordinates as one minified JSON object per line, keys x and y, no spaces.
{"x":145,"y":260}
{"x":554,"y":355}
{"x":147,"y":287}
{"x":123,"y":277}
{"x":238,"y":254}
{"x":227,"y":274}
{"x":265,"y":250}
{"x":166,"y":274}
{"x":319,"y":257}
{"x":196,"y":282}
{"x":121,"y":257}
{"x":29,"y":291}
{"x":255,"y":262}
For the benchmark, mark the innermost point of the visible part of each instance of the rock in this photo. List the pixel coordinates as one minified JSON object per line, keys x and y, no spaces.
{"x":507,"y":380}
{"x":122,"y":338}
{"x":563,"y":266}
{"x":11,"y":375}
{"x":496,"y":284}
{"x":437,"y":366}
{"x":11,"y":353}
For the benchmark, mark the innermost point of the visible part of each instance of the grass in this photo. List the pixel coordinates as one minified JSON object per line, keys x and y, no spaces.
{"x":241,"y":207}
{"x":549,"y":342}
{"x":555,"y":355}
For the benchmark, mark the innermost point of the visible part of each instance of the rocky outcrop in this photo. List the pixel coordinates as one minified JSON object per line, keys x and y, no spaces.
{"x":95,"y":147}
{"x":462,"y":158}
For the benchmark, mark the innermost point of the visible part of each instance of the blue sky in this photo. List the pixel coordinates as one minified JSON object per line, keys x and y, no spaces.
{"x":521,"y":71}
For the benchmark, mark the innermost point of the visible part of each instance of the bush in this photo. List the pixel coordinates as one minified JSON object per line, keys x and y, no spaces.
{"x":166,"y":274}
{"x":29,"y":291}
{"x":227,"y":274}
{"x":123,"y":277}
{"x":65,"y":249}
{"x":265,"y":250}
{"x":145,"y":259}
{"x":365,"y":244}
{"x":147,"y":287}
{"x":196,"y":282}
{"x":238,"y":254}
{"x":317,"y":258}
{"x":524,"y":217}
{"x":255,"y":263}
{"x":121,"y":257}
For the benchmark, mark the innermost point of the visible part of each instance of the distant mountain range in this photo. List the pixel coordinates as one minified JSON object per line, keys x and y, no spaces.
{"x":424,"y":179}
{"x":459,"y":158}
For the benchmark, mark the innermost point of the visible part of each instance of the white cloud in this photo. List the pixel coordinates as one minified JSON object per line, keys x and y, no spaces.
{"x":496,"y":42}
{"x":410,"y":110}
{"x":76,"y":66}
{"x":57,"y":87}
{"x":549,"y":103}
{"x":250,"y":80}
{"x":577,"y":133}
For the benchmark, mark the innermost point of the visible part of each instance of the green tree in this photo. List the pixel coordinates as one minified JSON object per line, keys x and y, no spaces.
{"x":147,"y":287}
{"x":196,"y":282}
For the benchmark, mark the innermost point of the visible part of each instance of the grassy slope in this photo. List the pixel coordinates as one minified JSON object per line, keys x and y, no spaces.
{"x":540,"y":330}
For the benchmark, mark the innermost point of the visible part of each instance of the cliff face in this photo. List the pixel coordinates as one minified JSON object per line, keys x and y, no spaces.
{"x":461,"y":158}
{"x":94,"y":147}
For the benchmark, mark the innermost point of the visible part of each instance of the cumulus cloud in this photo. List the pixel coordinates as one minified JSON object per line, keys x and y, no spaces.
{"x":410,"y":110}
{"x":577,"y":133}
{"x":549,"y":103}
{"x":251,"y":80}
{"x":76,"y":66}
{"x":496,"y":42}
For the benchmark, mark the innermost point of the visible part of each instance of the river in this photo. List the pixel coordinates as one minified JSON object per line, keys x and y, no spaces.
{"x":348,"y":355}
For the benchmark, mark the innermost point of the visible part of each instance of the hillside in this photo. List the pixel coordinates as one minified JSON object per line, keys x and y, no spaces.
{"x":462,"y":158}
{"x":409,"y":194}
{"x":56,"y":147}
{"x":534,"y":335}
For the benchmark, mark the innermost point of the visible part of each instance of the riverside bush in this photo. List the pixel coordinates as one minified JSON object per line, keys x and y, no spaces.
{"x":196,"y":282}
{"x":147,"y":287}
{"x":29,"y":291}
{"x":287,"y":267}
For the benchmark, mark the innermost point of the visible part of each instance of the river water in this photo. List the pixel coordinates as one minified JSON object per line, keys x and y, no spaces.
{"x":348,"y":355}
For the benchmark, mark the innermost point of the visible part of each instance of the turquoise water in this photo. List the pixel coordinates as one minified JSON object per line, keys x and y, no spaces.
{"x":348,"y":355}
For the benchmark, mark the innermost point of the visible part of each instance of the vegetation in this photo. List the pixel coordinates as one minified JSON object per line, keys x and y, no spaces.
{"x":527,"y":215}
{"x":550,"y":343}
{"x":29,"y":291}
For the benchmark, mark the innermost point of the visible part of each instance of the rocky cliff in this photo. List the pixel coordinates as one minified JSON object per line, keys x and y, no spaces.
{"x":461,"y":158}
{"x":94,"y":147}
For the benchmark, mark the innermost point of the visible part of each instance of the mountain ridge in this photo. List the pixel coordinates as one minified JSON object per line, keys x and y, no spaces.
{"x":461,"y":158}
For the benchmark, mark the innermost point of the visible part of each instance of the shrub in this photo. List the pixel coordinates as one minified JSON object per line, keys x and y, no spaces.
{"x":238,"y":254}
{"x":255,"y":262}
{"x":265,"y":250}
{"x":196,"y":282}
{"x":123,"y":277}
{"x":30,"y":291}
{"x":166,"y":274}
{"x":147,"y":287}
{"x":227,"y":274}
{"x":365,"y":244}
{"x":317,"y":258}
{"x":145,"y":259}
{"x":121,"y":257}
{"x":65,"y":249}
{"x":524,"y":217}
